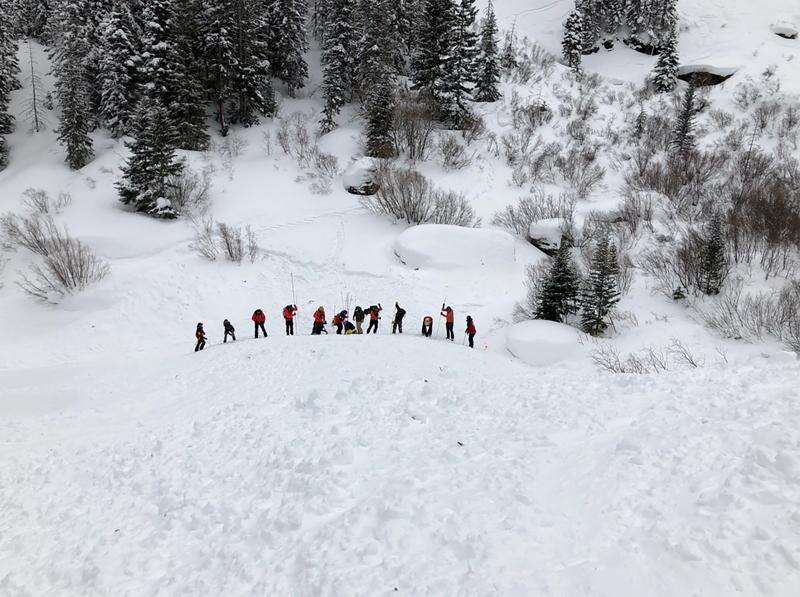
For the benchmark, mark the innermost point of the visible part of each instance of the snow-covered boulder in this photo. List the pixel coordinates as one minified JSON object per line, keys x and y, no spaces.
{"x":543,"y":343}
{"x":439,"y":246}
{"x":545,"y":235}
{"x":785,"y":30}
{"x":360,"y":178}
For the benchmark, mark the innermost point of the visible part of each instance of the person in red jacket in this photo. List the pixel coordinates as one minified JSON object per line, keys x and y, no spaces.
{"x":427,"y":326}
{"x":471,"y":331}
{"x":258,"y":319}
{"x":374,"y":317}
{"x":450,"y":318}
{"x":289,"y":311}
{"x":319,"y":322}
{"x":339,"y":320}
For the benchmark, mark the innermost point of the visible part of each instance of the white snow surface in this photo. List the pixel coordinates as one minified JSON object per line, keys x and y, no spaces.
{"x":437,"y":246}
{"x":543,"y":343}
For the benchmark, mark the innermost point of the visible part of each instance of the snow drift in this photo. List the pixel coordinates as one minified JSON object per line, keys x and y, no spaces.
{"x":544,"y":343}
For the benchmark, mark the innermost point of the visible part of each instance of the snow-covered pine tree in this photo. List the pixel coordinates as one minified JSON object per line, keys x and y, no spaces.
{"x":434,"y":46}
{"x":665,"y":72}
{"x":488,"y":82}
{"x":35,"y":103}
{"x":683,"y":137}
{"x":661,"y":18}
{"x":9,"y":69}
{"x":600,"y":292}
{"x":572,"y":43}
{"x":610,"y":15}
{"x":338,"y":45}
{"x":375,"y":46}
{"x":714,"y":267}
{"x":593,"y":22}
{"x":116,"y":77}
{"x":287,"y":42}
{"x":559,"y":295}
{"x":69,"y":67}
{"x":218,"y":53}
{"x":508,"y":57}
{"x":454,"y":88}
{"x":380,"y":112}
{"x":145,"y":182}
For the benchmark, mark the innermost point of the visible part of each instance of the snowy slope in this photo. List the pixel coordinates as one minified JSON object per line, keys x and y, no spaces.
{"x":354,"y":466}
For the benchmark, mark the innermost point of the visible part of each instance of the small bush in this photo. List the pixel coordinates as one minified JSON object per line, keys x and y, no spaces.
{"x":518,"y":218}
{"x":190,"y":191}
{"x":454,"y":155}
{"x":413,"y":126}
{"x":215,"y":239}
{"x":405,"y":194}
{"x":37,"y":201}
{"x":32,"y":232}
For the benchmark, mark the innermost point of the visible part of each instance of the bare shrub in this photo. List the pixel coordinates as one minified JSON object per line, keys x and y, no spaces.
{"x":454,"y":155}
{"x":405,"y":194}
{"x":531,"y":115}
{"x":636,"y":209}
{"x":683,"y":354}
{"x":215,"y":239}
{"x":30,"y":232}
{"x":413,"y":126}
{"x":205,"y":241}
{"x":230,"y":240}
{"x":765,"y":114}
{"x":296,"y":140}
{"x":746,"y":94}
{"x":538,"y":206}
{"x":473,"y":129}
{"x":649,"y":360}
{"x":252,"y":244}
{"x":578,"y":169}
{"x":676,"y":266}
{"x":38,"y":201}
{"x":190,"y":191}
{"x":721,"y":118}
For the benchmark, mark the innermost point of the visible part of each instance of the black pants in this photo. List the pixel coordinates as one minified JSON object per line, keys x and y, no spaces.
{"x":427,"y":331}
{"x":449,"y":328}
{"x":261,"y":326}
{"x":290,"y":327}
{"x":339,"y":327}
{"x":201,"y":344}
{"x":373,"y":326}
{"x":317,"y":329}
{"x":231,"y":334}
{"x":471,"y":340}
{"x":397,"y":326}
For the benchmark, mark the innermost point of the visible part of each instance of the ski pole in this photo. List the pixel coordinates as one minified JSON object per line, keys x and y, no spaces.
{"x":294,"y":298}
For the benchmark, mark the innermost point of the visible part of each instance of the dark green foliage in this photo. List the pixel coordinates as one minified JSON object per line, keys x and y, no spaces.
{"x":145,"y":182}
{"x":572,"y":44}
{"x":434,"y":45}
{"x":559,"y":293}
{"x":116,"y":77}
{"x":488,"y":69}
{"x":714,"y":265}
{"x":380,"y":112}
{"x":665,"y":72}
{"x":286,"y":26}
{"x":337,"y":60}
{"x":454,"y":89}
{"x":600,"y":291}
{"x":683,"y":137}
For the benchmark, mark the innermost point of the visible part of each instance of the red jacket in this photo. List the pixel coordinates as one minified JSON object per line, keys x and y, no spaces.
{"x":258,"y":316}
{"x":319,"y":316}
{"x":373,"y":314}
{"x":450,"y":315}
{"x":471,"y":328}
{"x":337,"y":319}
{"x":289,"y":313}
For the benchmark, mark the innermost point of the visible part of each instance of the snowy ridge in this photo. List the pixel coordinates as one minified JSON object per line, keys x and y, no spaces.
{"x":356,"y":465}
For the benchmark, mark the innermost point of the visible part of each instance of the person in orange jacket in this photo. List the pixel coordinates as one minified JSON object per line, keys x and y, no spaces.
{"x":201,"y":338}
{"x":289,"y":311}
{"x":374,"y":318}
{"x":450,"y":318}
{"x":258,"y":319}
{"x":319,"y":322}
{"x":471,"y":331}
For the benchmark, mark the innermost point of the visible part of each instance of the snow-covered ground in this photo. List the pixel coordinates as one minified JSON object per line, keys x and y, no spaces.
{"x":374,"y":465}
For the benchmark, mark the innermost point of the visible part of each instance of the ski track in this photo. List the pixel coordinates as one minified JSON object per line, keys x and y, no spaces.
{"x":275,"y":467}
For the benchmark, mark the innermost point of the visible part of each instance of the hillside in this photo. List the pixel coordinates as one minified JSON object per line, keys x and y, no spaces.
{"x":532,"y":465}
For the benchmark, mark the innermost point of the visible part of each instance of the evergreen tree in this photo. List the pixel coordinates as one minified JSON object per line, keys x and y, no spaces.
{"x":572,"y":44}
{"x":665,"y":73}
{"x":72,"y":91}
{"x":453,"y":90}
{"x":375,"y":53}
{"x":287,"y":42}
{"x":559,"y":293}
{"x":683,"y":137}
{"x":186,"y":101}
{"x":435,"y":44}
{"x":714,"y":266}
{"x":600,"y":291}
{"x":145,"y":182}
{"x":37,"y":102}
{"x":508,"y":58}
{"x":9,"y":70}
{"x":610,"y":15}
{"x":116,"y":78}
{"x":337,"y":61}
{"x":380,"y":112}
{"x":488,"y":70}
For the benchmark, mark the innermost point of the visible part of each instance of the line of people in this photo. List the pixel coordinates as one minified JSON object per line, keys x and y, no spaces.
{"x":341,"y":321}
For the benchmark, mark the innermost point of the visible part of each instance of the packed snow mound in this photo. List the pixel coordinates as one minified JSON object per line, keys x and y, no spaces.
{"x":360,"y":177}
{"x":546,"y":234}
{"x":437,"y":246}
{"x":542,"y":343}
{"x":785,"y":30}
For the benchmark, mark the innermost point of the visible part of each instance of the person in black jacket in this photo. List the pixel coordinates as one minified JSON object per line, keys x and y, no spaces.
{"x":358,"y":317}
{"x":229,"y":331}
{"x":201,"y":338}
{"x":397,"y":323}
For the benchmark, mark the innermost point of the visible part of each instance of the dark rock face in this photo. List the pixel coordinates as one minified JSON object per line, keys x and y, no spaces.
{"x":704,"y":78}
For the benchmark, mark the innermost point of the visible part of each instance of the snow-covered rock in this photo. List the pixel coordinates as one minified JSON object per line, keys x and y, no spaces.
{"x":439,"y":246}
{"x":360,"y":177}
{"x":545,"y":235}
{"x":785,"y":30}
{"x":543,"y":343}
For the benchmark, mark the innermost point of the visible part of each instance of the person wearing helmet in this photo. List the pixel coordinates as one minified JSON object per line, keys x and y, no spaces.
{"x":229,"y":331}
{"x":201,"y":338}
{"x":289,"y":311}
{"x":258,"y":319}
{"x":471,"y":331}
{"x":427,"y":326}
{"x":319,"y":322}
{"x":358,"y":317}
